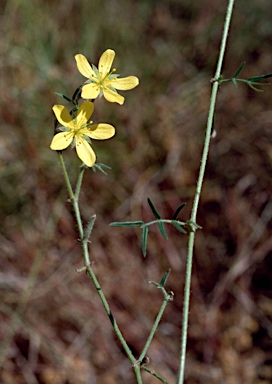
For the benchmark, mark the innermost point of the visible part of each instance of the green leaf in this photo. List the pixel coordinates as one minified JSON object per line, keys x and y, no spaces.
{"x":77,"y":93}
{"x":63,"y":96}
{"x":239,"y":70}
{"x":165,"y":277}
{"x":257,"y":83}
{"x":144,"y":240}
{"x":101,"y":167}
{"x":234,"y":81}
{"x":162,"y":230}
{"x":89,"y":227}
{"x":175,"y":215}
{"x":156,"y":284}
{"x":127,"y":224}
{"x":254,"y":88}
{"x":153,"y":209}
{"x":179,"y":227}
{"x":261,"y":77}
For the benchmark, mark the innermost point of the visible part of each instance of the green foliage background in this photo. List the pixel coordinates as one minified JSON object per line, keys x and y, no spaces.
{"x":172,"y":46}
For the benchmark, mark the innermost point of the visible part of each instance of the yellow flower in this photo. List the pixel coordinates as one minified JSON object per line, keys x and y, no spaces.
{"x":102,"y":80}
{"x":78,"y":130}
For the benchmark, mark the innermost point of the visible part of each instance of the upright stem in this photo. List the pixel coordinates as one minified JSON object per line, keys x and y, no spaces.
{"x":73,"y":197}
{"x":188,"y":274}
{"x":87,"y":262}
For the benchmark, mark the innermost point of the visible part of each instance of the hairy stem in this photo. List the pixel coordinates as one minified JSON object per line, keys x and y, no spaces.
{"x":167,"y":297}
{"x":188,"y":274}
{"x":87,"y":263}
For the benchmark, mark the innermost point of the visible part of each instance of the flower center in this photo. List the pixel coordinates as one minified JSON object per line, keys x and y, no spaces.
{"x":107,"y":79}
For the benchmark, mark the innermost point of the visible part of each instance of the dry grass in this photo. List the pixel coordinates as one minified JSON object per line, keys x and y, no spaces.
{"x":61,"y":334}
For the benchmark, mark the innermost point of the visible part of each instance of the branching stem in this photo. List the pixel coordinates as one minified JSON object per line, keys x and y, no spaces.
{"x":167,"y":297}
{"x":87,"y":262}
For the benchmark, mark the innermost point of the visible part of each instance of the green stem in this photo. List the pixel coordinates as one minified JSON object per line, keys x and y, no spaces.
{"x":191,"y":239}
{"x":231,"y":79}
{"x":66,"y":177}
{"x":137,"y":371}
{"x":79,"y":181}
{"x":73,"y":198}
{"x":84,"y":243}
{"x":166,"y":221}
{"x":167,"y":297}
{"x":107,"y":308}
{"x":154,"y":374}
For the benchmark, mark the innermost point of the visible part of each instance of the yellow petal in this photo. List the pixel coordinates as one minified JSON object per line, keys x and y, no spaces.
{"x":84,"y":67}
{"x":84,"y":113}
{"x":63,"y":116}
{"x":125,"y":83}
{"x":90,"y":91}
{"x":113,"y":97}
{"x":61,"y":141}
{"x":105,"y":62}
{"x":85,"y":152}
{"x":99,"y":131}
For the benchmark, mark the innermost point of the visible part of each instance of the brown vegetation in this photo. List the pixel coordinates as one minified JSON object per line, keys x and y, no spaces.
{"x":57,"y":328}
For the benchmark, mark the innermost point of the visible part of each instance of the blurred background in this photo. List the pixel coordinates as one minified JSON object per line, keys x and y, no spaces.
{"x":53,"y":328}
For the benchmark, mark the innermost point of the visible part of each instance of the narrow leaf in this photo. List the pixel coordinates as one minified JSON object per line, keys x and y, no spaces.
{"x":261,"y":77}
{"x":144,"y":240}
{"x":127,"y":224}
{"x":162,"y":230}
{"x":101,"y":167}
{"x":239,"y":70}
{"x":257,"y":83}
{"x":179,"y":227}
{"x":153,"y":209}
{"x":156,"y":284}
{"x":234,"y":81}
{"x":254,"y":88}
{"x":63,"y":96}
{"x":165,"y":277}
{"x":175,"y":215}
{"x":76,"y":94}
{"x":89,"y":228}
